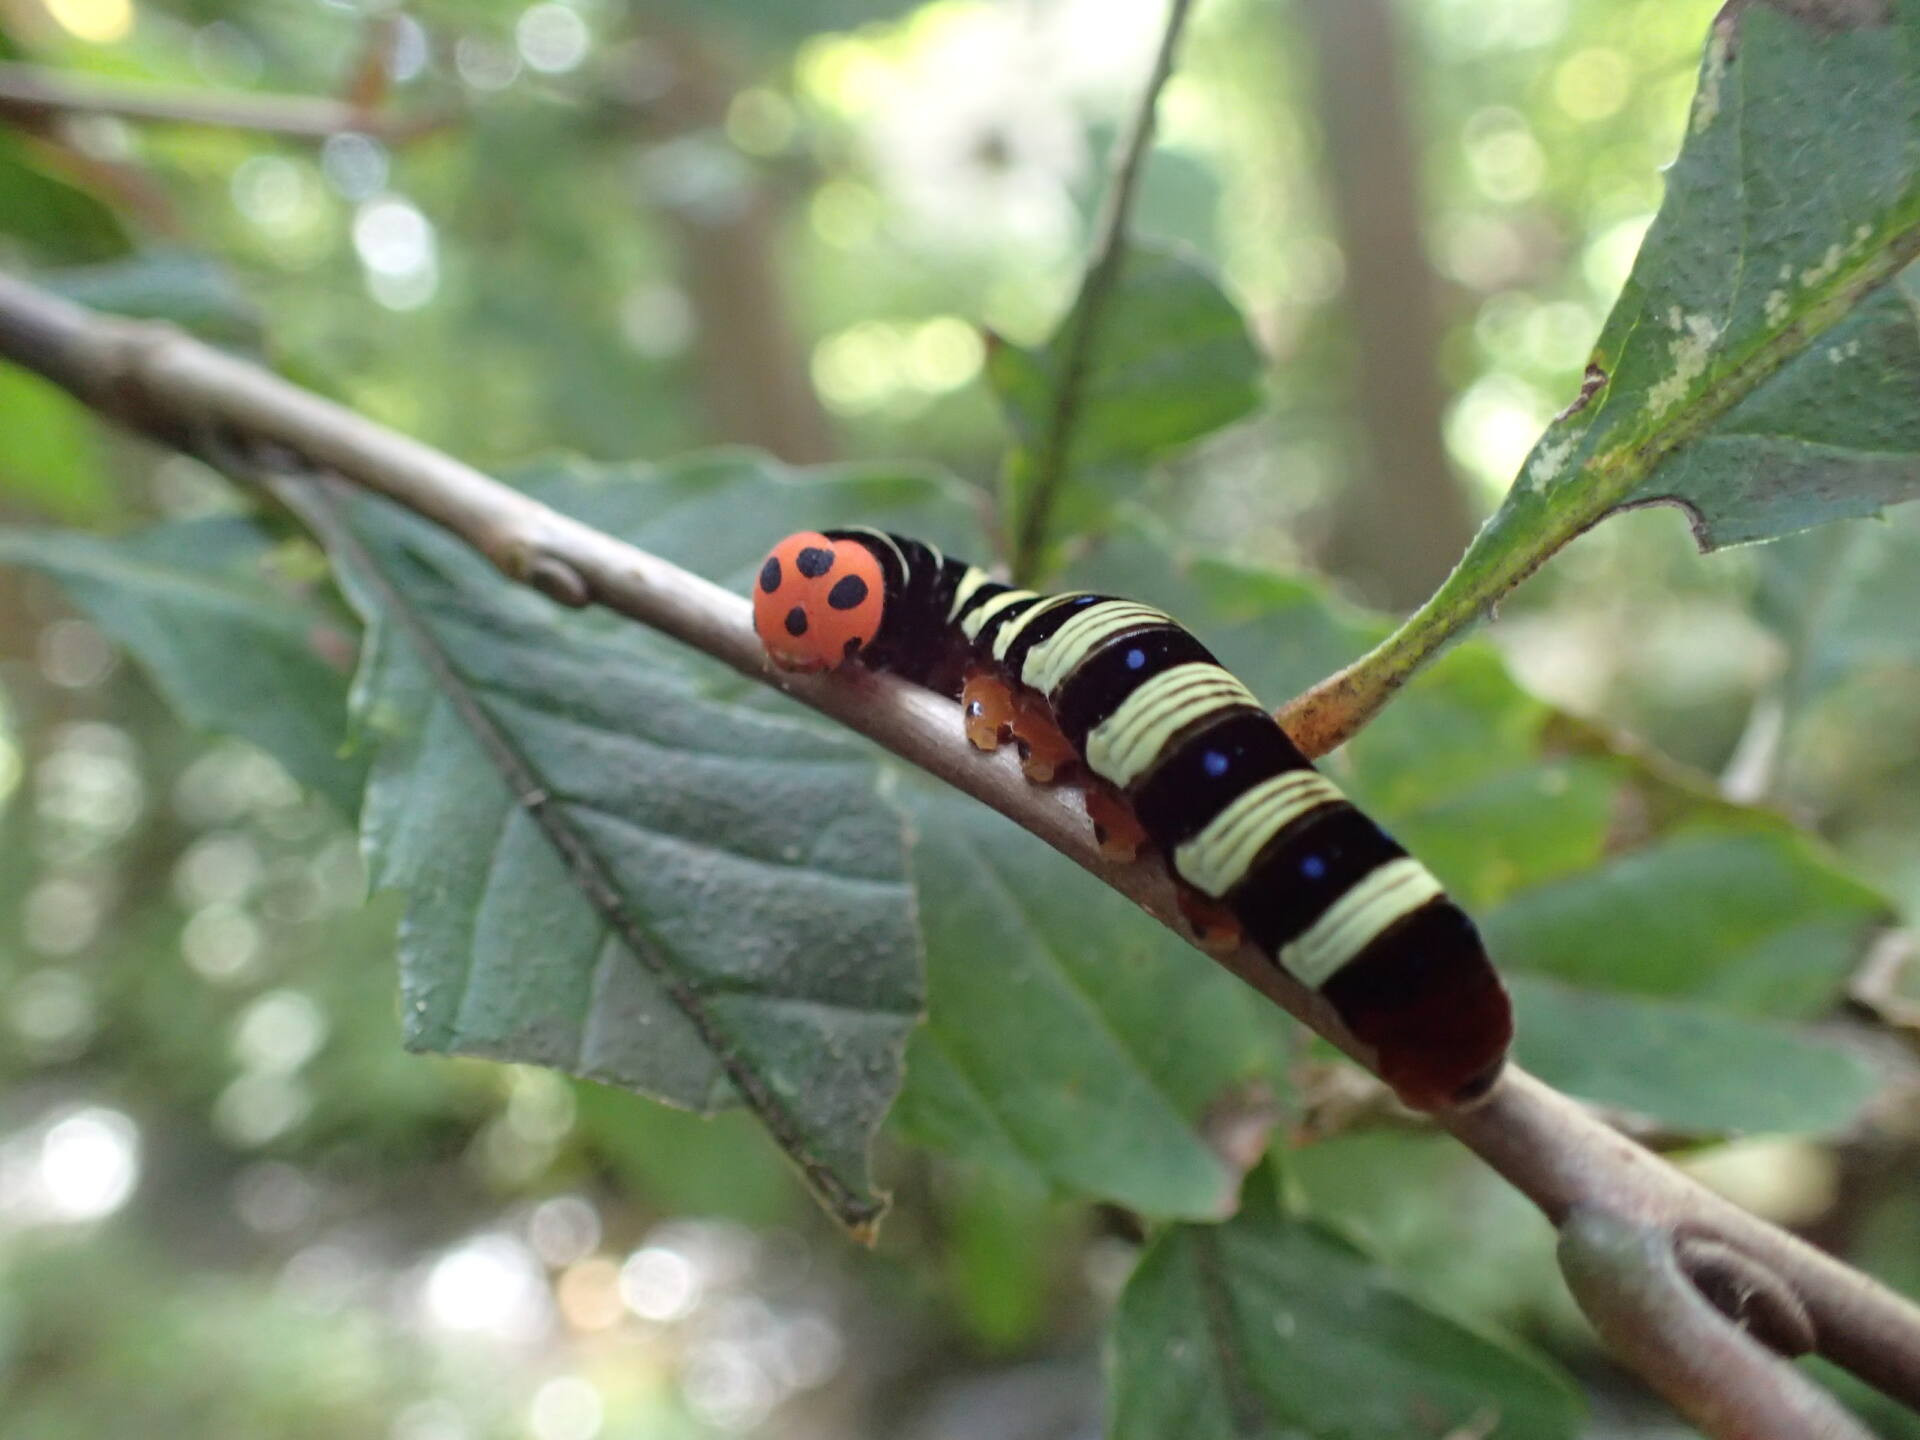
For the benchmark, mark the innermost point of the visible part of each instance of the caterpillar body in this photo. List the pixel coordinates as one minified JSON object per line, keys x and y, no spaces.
{"x":1180,"y":754}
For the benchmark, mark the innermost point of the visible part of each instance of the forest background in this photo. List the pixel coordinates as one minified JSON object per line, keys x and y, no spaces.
{"x":231,"y":1201}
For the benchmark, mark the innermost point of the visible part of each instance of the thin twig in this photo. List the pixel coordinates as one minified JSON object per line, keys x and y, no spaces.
{"x":1082,"y":323}
{"x":32,"y":95}
{"x":1528,"y":530}
{"x":1553,"y":1150}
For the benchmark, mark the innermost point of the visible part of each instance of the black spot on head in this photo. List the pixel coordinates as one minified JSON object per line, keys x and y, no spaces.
{"x":848,"y":591}
{"x":813,"y":562}
{"x":851,"y":648}
{"x":770,"y":576}
{"x":797,"y":620}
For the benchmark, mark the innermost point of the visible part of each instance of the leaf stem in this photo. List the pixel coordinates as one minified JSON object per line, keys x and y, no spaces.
{"x":1082,"y":322}
{"x":1556,"y":1152}
{"x":1534,"y":522}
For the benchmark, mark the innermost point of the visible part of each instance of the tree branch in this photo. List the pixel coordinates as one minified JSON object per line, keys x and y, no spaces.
{"x":1558,"y":1154}
{"x":1083,"y":320}
{"x":1629,"y":1281}
{"x":31,"y":95}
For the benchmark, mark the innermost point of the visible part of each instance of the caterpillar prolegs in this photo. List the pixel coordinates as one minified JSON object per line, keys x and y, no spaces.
{"x":1180,"y":754}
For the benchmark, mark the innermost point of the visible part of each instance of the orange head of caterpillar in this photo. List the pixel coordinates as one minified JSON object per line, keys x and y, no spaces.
{"x":817,"y":601}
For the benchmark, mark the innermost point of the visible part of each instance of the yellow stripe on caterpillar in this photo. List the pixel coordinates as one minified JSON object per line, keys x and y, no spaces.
{"x":974,"y":578}
{"x":1122,"y":747}
{"x":1063,"y":652}
{"x":973,"y":624}
{"x":1216,"y":859}
{"x":1010,"y":632}
{"x":1390,"y":893}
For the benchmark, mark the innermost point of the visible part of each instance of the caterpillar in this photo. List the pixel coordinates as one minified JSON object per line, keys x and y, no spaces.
{"x":1179,"y":755}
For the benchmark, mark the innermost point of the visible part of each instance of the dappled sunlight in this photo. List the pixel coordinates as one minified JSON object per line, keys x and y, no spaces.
{"x":436,"y":1010}
{"x":74,"y":1166}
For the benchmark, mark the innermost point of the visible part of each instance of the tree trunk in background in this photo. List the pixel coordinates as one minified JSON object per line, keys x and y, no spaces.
{"x":1405,"y":521}
{"x":751,"y":368}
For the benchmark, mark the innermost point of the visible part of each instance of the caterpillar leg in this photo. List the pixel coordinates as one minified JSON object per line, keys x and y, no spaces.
{"x":1214,"y":926}
{"x":987,"y":703}
{"x":1115,"y":828}
{"x":1044,"y":751}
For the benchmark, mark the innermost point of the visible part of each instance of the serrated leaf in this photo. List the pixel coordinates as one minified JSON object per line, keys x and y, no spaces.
{"x":1170,"y":361}
{"x":1270,"y":1327}
{"x":610,"y":874}
{"x":751,"y":855}
{"x":1758,"y":368}
{"x":230,"y":650}
{"x":1070,"y":1040}
{"x":1832,"y":436}
{"x":1749,"y":358}
{"x":1833,"y":730}
{"x":1696,"y":1070}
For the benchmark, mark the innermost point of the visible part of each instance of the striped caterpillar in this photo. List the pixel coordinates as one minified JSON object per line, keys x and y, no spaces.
{"x":1178,"y":754}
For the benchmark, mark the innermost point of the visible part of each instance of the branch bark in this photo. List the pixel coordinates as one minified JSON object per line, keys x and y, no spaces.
{"x":32,"y":96}
{"x":1564,"y":1159}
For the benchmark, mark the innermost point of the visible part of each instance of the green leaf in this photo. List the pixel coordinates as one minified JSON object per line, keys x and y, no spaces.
{"x":1069,"y":1039}
{"x":1271,"y":1327}
{"x":50,"y":456}
{"x":1843,"y":602}
{"x":682,"y":1163}
{"x":1695,"y":1070}
{"x":1007,"y":1245}
{"x":608,"y":874}
{"x":181,"y":286}
{"x":1758,"y":369}
{"x":60,"y":221}
{"x":1832,"y":436}
{"x":1447,"y":1226}
{"x":1759,"y":923}
{"x":1169,"y":361}
{"x":230,"y":649}
{"x":1753,"y":374}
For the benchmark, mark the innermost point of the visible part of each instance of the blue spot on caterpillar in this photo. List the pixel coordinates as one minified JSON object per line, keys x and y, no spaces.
{"x":1238,"y":814}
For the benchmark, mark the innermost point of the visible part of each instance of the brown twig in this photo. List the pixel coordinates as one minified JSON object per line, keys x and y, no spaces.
{"x":1553,"y":1150}
{"x":1653,"y":1313}
{"x":31,"y":95}
{"x":1082,"y":324}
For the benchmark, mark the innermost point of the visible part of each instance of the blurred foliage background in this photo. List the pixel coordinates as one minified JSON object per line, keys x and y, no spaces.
{"x":230,"y":1204}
